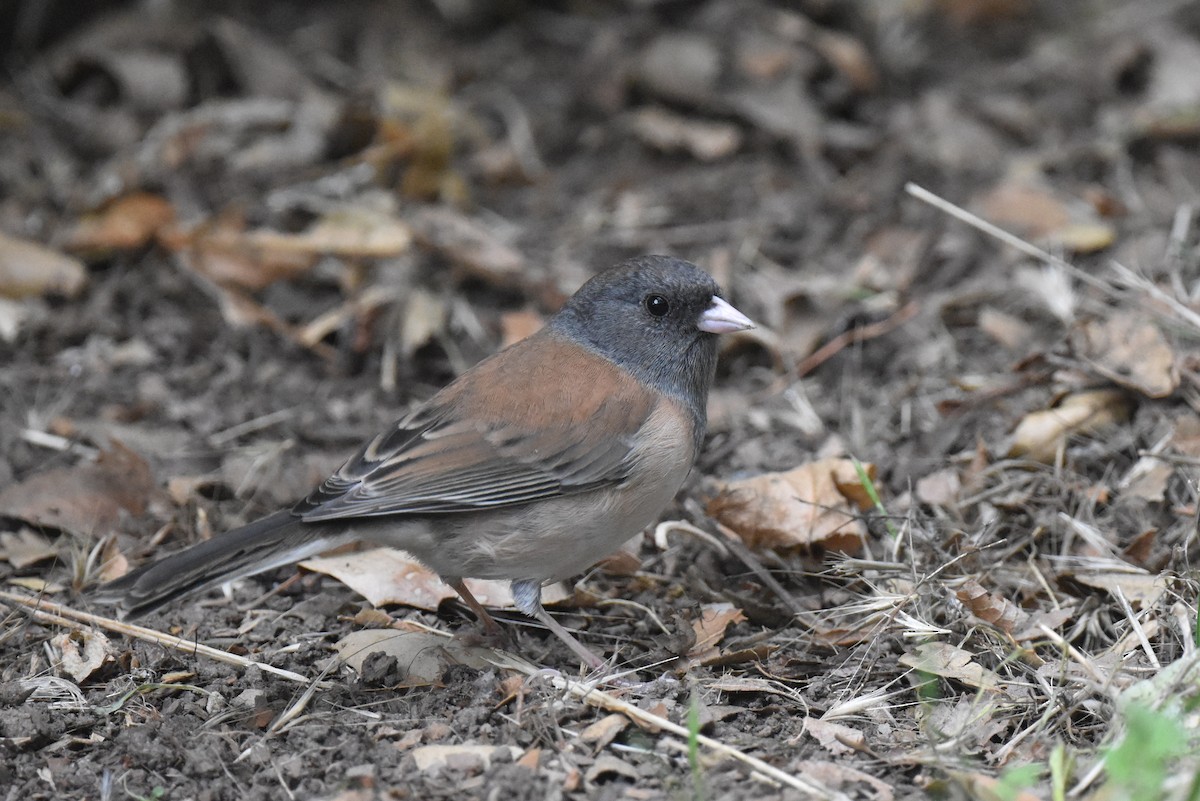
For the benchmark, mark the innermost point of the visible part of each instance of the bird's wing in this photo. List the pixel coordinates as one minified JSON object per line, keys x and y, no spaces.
{"x":541,"y":419}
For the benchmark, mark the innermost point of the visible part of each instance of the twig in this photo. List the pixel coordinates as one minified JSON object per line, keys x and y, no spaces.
{"x":59,"y":615}
{"x":853,"y":337}
{"x":589,"y":694}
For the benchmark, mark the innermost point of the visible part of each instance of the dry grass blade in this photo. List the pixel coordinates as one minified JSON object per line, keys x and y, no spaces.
{"x":59,"y":615}
{"x":589,"y":694}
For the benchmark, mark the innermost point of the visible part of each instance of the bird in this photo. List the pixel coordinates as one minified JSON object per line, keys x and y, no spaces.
{"x":529,"y":467}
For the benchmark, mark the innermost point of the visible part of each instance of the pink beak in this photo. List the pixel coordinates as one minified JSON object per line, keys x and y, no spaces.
{"x":721,"y":318}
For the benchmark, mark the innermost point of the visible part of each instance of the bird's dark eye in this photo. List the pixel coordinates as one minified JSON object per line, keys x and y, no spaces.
{"x":657,"y":305}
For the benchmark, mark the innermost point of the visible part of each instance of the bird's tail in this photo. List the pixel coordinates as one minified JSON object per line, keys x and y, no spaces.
{"x":273,"y":541}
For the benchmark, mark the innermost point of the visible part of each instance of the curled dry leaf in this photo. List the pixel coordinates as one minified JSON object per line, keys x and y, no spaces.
{"x":710,"y":627}
{"x":128,"y":222}
{"x":992,"y":608}
{"x":1042,"y":434}
{"x":87,"y":499}
{"x":816,"y":504}
{"x":1130,"y":350}
{"x":604,"y":731}
{"x":81,"y":652}
{"x":28,"y":269}
{"x":837,"y":738}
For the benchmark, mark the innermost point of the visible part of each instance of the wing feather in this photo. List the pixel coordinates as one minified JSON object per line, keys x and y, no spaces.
{"x":568,"y":427}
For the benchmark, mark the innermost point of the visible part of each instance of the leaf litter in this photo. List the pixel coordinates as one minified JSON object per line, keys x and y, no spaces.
{"x":1019,"y":597}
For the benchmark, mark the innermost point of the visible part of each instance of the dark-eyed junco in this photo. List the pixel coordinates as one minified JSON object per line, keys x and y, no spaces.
{"x":531,"y":466}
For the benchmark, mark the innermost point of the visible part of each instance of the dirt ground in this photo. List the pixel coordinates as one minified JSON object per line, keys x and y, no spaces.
{"x":236,"y":242}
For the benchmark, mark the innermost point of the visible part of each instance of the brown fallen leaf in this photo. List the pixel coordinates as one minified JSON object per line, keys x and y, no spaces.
{"x":1030,"y":210}
{"x":223,"y":252}
{"x":710,"y":627}
{"x":816,"y":504}
{"x":604,"y":731}
{"x":28,"y":269}
{"x":1042,"y":434}
{"x":129,"y":222}
{"x":466,"y":243}
{"x":990,"y":607}
{"x":388,"y":576}
{"x":1131,"y":351}
{"x":1038,"y":212}
{"x":850,"y":57}
{"x":87,"y":499}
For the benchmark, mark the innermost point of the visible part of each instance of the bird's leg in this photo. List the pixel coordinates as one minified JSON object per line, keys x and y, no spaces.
{"x":490,"y":626}
{"x":527,"y":595}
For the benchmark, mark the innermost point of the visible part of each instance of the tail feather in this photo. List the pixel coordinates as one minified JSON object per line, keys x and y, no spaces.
{"x":273,"y":541}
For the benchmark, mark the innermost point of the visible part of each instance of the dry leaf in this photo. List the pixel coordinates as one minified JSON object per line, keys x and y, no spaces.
{"x":840,"y":775}
{"x":609,"y":765}
{"x":671,"y":133}
{"x":88,"y":499}
{"x":1148,"y":479}
{"x":421,"y":657}
{"x":1011,"y":333}
{"x":1027,"y":210}
{"x":850,"y":57}
{"x":128,"y":222}
{"x":1130,"y":350}
{"x":604,"y":731}
{"x":81,"y":652}
{"x":1086,"y":237}
{"x":225,"y":254}
{"x":835,"y":738}
{"x":992,"y":608}
{"x":26,"y":547}
{"x":1042,"y":434}
{"x":1141,"y":589}
{"x":939,"y":489}
{"x":28,"y":269}
{"x":814,"y":504}
{"x":467,"y":244}
{"x":951,"y":662}
{"x":710,"y":627}
{"x":387,"y":576}
{"x":1039,"y":213}
{"x":446,"y":756}
{"x":425,"y":316}
{"x":891,"y":259}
